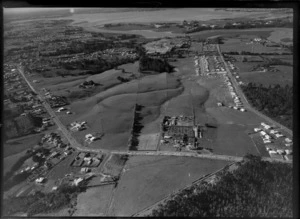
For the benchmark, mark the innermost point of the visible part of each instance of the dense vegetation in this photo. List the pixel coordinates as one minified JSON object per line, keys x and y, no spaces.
{"x":21,"y":125}
{"x":274,"y":101}
{"x":42,"y":202}
{"x":136,"y":128}
{"x":154,"y":64}
{"x":256,"y":189}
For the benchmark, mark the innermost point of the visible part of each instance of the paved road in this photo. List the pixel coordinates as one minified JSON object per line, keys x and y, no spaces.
{"x":73,"y":142}
{"x":245,"y":101}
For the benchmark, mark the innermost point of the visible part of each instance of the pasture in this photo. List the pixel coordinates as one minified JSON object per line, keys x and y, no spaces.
{"x":93,"y":202}
{"x":148,"y":179}
{"x":117,"y":103}
{"x":17,"y":145}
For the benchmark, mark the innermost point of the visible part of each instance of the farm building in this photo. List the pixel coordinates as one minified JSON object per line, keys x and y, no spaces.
{"x":180,"y":131}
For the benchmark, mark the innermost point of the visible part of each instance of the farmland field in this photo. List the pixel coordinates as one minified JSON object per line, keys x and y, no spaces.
{"x":93,"y":202}
{"x":149,"y":179}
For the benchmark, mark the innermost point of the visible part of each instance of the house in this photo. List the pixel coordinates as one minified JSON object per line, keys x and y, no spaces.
{"x":267,"y":141}
{"x":267,"y":127}
{"x":257,"y":129}
{"x":88,"y":136}
{"x":67,"y":152}
{"x":54,"y":154}
{"x":263,"y":133}
{"x":60,"y":109}
{"x":85,"y":170}
{"x":77,"y":181}
{"x":288,"y":144}
{"x":288,"y":140}
{"x":273,"y":131}
{"x":40,"y":180}
{"x":278,"y":135}
{"x":288,"y":151}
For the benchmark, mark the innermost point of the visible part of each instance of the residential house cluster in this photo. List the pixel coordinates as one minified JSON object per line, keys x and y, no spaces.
{"x":87,"y":159}
{"x":277,"y":144}
{"x":54,"y":139}
{"x":78,"y":126}
{"x":55,"y":101}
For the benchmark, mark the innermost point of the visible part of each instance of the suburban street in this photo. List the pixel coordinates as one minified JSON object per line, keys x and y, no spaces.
{"x":244,"y":99}
{"x":73,"y":142}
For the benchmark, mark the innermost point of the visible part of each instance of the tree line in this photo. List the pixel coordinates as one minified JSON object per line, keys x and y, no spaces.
{"x":154,"y":64}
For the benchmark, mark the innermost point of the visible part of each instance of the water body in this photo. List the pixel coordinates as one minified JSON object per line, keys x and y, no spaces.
{"x":168,"y":15}
{"x":144,"y":33}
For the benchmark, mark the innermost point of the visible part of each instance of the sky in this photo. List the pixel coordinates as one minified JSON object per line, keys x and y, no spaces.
{"x":28,"y":10}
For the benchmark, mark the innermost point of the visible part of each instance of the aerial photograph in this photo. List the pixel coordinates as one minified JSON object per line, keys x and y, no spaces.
{"x":147,"y":112}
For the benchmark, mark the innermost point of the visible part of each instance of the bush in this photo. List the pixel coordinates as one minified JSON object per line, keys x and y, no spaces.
{"x":154,"y":64}
{"x":274,"y":101}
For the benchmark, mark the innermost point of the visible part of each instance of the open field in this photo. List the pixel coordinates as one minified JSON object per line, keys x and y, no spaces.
{"x":148,"y":179}
{"x":93,"y":202}
{"x":118,"y":102}
{"x":218,"y":91}
{"x":57,"y":83}
{"x":15,"y":146}
{"x":9,"y":161}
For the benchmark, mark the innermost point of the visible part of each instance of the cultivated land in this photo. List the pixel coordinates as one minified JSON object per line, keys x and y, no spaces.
{"x":109,"y":111}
